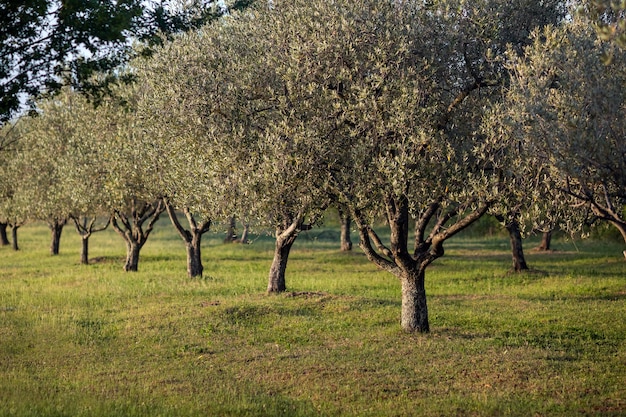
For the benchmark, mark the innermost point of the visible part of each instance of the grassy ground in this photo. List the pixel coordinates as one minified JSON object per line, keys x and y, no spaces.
{"x":95,"y":341}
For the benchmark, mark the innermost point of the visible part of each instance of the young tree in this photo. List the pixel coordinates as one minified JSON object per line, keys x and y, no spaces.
{"x":565,"y":107}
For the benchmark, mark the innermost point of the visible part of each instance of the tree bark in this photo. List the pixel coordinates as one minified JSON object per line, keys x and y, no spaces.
{"x":4,"y":239}
{"x":621,"y":226}
{"x":414,"y":317}
{"x":546,"y":240}
{"x":85,"y":227}
{"x":84,"y":252}
{"x":244,"y":233}
{"x":14,"y":236}
{"x":277,"y":282}
{"x":517,"y":250}
{"x":56,"y":228}
{"x":132,"y":256}
{"x":231,"y":236}
{"x":345,"y":221}
{"x":194,"y":258}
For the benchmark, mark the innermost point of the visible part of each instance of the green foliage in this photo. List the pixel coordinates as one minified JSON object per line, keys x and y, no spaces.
{"x":564,"y":109}
{"x":45,"y":44}
{"x":92,"y":341}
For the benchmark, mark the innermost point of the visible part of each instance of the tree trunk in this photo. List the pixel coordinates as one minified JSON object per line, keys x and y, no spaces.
{"x":191,"y":237}
{"x":84,"y":253}
{"x":244,"y":234}
{"x":519,"y":262}
{"x":621,"y":226}
{"x":414,"y":315}
{"x":194,"y":258}
{"x":231,"y":236}
{"x":130,"y":228}
{"x":85,"y":227}
{"x":132,"y":256}
{"x":56,"y":228}
{"x":546,"y":240}
{"x":4,"y":239}
{"x":14,"y":236}
{"x":346,"y":243}
{"x":276,"y":282}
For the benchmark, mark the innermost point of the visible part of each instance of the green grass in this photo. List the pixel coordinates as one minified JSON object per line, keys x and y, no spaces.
{"x":94,"y":341}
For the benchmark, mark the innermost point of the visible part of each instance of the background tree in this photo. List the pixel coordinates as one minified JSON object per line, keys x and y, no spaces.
{"x":178,"y":84}
{"x":45,"y":139}
{"x":10,"y":216}
{"x":565,"y":107}
{"x":134,"y":200}
{"x":83,"y":174}
{"x":46,"y":43}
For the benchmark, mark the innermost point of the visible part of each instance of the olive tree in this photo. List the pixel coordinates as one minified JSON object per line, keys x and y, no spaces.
{"x":193,"y":176}
{"x":565,"y":107}
{"x":133,"y":199}
{"x":45,"y":139}
{"x":11,"y":214}
{"x":230,"y":118}
{"x":396,"y":92}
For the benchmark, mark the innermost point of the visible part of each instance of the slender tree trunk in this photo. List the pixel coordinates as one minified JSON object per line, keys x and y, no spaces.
{"x":546,"y":240}
{"x":14,"y":237}
{"x":346,"y":242}
{"x":56,"y":228}
{"x":85,"y":227}
{"x":276,"y":282}
{"x":231,"y":236}
{"x":244,"y":234}
{"x":84,"y":253}
{"x":519,"y":261}
{"x":132,"y":256}
{"x":4,"y":239}
{"x":414,"y":315}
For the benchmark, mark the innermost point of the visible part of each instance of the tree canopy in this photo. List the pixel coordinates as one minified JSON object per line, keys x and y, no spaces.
{"x":45,"y":44}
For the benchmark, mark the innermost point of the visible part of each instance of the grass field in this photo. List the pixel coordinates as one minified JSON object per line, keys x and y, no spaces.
{"x":94,"y":341}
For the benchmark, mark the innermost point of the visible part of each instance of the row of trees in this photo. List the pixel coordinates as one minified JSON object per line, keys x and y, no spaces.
{"x":427,"y":115}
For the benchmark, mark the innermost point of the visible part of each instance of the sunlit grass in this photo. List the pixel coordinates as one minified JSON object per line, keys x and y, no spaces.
{"x":92,"y":340}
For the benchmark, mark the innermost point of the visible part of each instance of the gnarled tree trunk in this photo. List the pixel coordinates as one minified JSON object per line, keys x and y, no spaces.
{"x":85,"y":226}
{"x":14,"y":236}
{"x":231,"y":235}
{"x":84,"y":252}
{"x":414,"y":316}
{"x":130,"y":227}
{"x":276,"y":282}
{"x":517,"y":250}
{"x":132,"y":256}
{"x":244,"y":233}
